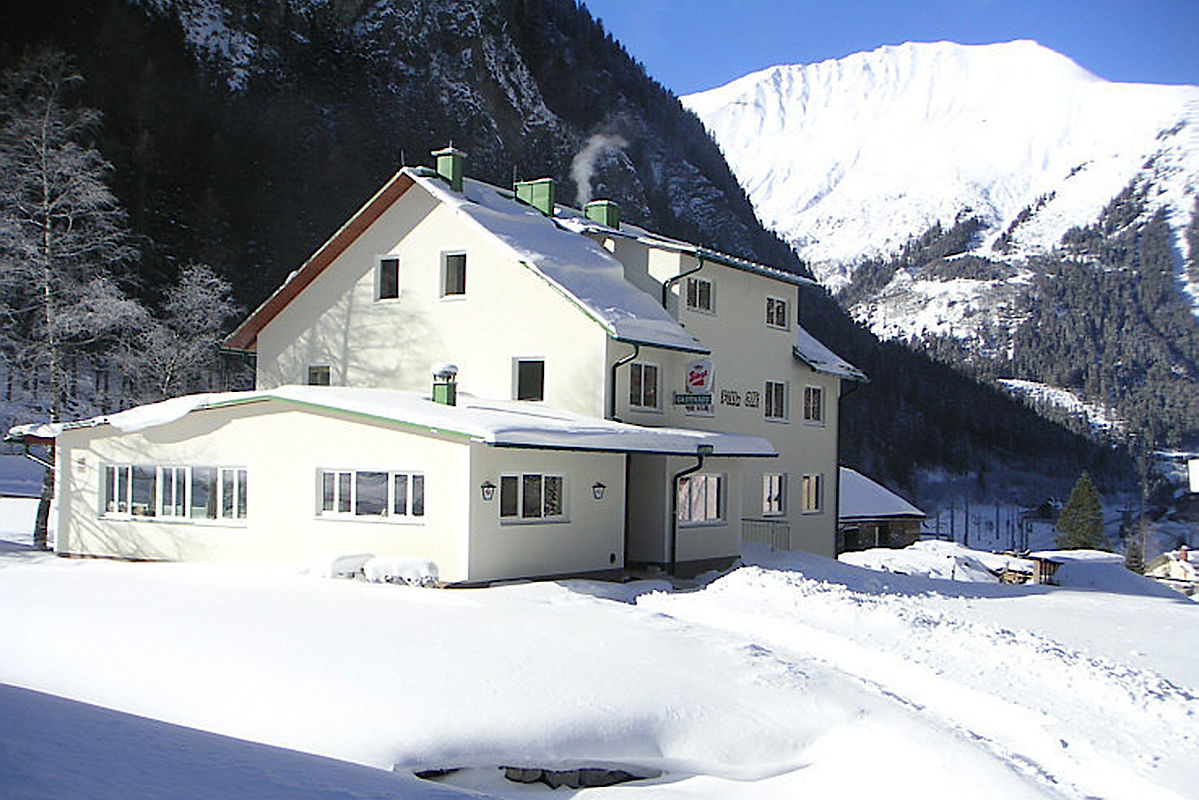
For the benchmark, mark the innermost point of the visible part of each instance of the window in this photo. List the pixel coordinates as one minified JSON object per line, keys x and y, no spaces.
{"x":389,"y":278}
{"x":530,"y":380}
{"x":453,"y":274}
{"x":532,"y":496}
{"x":701,"y":499}
{"x":774,"y":401}
{"x":318,"y":375}
{"x":175,"y":492}
{"x":776,"y":312}
{"x":813,"y":404}
{"x":813,"y":494}
{"x":774,"y":494}
{"x":643,"y":385}
{"x":372,"y":493}
{"x":699,"y":295}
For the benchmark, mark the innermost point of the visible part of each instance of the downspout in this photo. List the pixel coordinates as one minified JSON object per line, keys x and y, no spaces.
{"x":666,"y":284}
{"x":700,"y":452}
{"x":619,"y":363}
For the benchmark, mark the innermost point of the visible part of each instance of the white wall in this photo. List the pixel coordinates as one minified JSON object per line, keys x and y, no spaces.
{"x":282,"y":450}
{"x":508,"y":311}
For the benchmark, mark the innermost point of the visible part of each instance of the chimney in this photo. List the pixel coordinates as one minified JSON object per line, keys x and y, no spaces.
{"x":605,"y":212}
{"x":539,"y":194}
{"x":449,"y":166}
{"x":445,"y":384}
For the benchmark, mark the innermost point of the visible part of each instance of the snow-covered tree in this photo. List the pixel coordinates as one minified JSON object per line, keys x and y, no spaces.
{"x":62,"y":236}
{"x":1080,"y":525}
{"x":180,"y":347}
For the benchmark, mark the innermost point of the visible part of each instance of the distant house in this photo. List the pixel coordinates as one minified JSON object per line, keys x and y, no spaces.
{"x":1177,"y":569}
{"x":871,"y":515}
{"x":560,"y":322}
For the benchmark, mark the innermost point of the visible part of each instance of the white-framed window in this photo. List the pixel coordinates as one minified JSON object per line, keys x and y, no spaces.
{"x":701,"y":295}
{"x":643,"y":385}
{"x":319,"y":375}
{"x":532,"y":497}
{"x":776,"y":313}
{"x":775,"y":401}
{"x":371,"y":493}
{"x":387,"y":278}
{"x":813,"y":404}
{"x":774,"y":494}
{"x":453,"y":274}
{"x":175,"y":492}
{"x":528,"y":380}
{"x":812,"y":492}
{"x":701,"y":499}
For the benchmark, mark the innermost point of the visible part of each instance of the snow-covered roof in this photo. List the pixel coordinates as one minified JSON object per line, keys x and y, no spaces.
{"x":862,"y":498}
{"x":813,"y":352}
{"x":500,"y":423}
{"x":583,"y":270}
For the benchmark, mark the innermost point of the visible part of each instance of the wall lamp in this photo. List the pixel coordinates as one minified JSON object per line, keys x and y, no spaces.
{"x":488,"y":490}
{"x":597,"y":490}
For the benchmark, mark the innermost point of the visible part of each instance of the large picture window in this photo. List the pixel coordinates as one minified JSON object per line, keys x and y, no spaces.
{"x":372,"y":493}
{"x":701,"y":499}
{"x":174,"y":492}
{"x":643,"y":385}
{"x":532,"y":496}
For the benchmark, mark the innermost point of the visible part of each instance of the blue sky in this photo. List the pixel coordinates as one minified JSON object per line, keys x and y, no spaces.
{"x":690,"y":45}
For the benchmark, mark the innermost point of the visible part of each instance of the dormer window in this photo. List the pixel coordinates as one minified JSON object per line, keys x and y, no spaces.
{"x":388,"y":278}
{"x":700,"y":296}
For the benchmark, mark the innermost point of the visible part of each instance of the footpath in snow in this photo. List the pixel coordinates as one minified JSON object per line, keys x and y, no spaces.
{"x":793,"y":676}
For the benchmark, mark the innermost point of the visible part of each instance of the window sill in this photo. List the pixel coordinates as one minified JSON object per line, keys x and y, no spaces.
{"x":372,"y":519}
{"x":453,"y":298}
{"x":200,"y":523}
{"x":777,"y":420}
{"x":703,"y":311}
{"x":715,"y":523}
{"x":534,"y":521}
{"x":644,"y":409}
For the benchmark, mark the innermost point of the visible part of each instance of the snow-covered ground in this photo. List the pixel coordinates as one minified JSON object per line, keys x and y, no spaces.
{"x":792,"y":676}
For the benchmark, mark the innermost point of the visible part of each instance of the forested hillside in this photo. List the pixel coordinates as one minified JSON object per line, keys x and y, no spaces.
{"x":242,"y":135}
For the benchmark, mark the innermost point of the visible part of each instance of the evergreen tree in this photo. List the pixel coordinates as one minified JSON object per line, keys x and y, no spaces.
{"x":1134,"y":547}
{"x":1080,"y":525}
{"x":62,"y":234}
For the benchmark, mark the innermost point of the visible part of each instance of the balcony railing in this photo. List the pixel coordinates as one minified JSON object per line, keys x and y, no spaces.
{"x":774,"y":533}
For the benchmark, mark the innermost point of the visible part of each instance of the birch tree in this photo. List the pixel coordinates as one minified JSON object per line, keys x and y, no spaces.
{"x":62,"y":237}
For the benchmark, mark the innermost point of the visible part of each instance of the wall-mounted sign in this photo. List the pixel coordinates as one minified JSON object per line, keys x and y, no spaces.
{"x":700,"y":378}
{"x":693,"y":399}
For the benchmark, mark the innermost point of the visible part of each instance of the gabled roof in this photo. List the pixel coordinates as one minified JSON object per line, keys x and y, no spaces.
{"x":578,"y":267}
{"x":812,"y":352}
{"x":862,"y":498}
{"x":499,"y":423}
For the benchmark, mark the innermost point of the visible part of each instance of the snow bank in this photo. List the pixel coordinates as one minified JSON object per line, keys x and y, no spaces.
{"x":942,"y":560}
{"x":396,"y":569}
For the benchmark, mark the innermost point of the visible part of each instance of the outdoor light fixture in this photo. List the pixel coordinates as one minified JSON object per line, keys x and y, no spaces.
{"x":488,"y":490}
{"x":597,"y":490}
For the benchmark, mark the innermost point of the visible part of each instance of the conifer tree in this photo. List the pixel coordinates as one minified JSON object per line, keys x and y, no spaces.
{"x":1080,"y":525}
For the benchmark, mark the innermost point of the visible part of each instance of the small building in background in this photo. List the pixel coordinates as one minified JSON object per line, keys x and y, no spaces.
{"x":871,"y":515}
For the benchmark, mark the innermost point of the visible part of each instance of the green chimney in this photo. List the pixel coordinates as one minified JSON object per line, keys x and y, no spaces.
{"x":539,"y":194}
{"x":445,"y":384}
{"x":449,"y":166}
{"x":605,"y":212}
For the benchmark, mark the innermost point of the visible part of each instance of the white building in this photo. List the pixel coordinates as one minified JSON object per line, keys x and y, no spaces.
{"x":549,"y":315}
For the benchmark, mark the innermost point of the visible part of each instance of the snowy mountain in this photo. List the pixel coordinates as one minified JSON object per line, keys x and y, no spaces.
{"x":851,"y":157}
{"x":998,"y":205}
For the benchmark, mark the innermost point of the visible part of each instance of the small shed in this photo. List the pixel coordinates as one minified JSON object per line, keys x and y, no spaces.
{"x":871,"y":515}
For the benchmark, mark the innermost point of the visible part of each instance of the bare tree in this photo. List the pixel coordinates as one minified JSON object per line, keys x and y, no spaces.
{"x":62,"y":235}
{"x":180,"y":348}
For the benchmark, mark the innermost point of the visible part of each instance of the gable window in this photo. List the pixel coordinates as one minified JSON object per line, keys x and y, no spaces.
{"x":318,"y":375}
{"x":776,"y":312}
{"x":532,"y":496}
{"x":371,"y":493}
{"x":813,"y":404}
{"x":774,"y":400}
{"x":453,"y":274}
{"x":643,"y":385}
{"x":700,"y":295}
{"x":530,"y":379}
{"x":701,"y":499}
{"x":812,"y":492}
{"x":389,"y":278}
{"x":774,"y":494}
